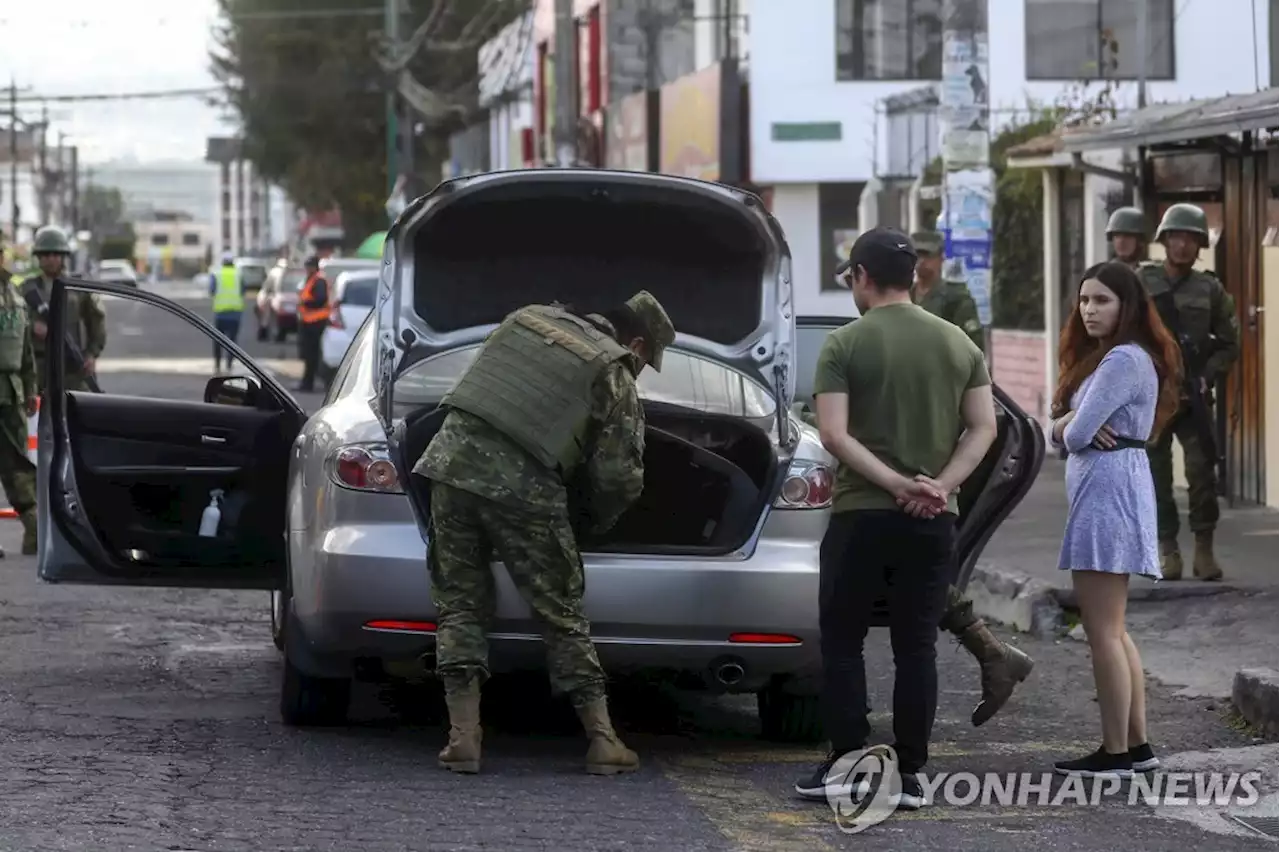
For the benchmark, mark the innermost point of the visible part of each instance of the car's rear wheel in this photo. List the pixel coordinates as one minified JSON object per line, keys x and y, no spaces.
{"x":277,"y":619}
{"x":787,"y":717}
{"x":307,"y":701}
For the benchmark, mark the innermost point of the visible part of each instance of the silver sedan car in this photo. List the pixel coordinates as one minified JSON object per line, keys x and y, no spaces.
{"x":712,"y":575}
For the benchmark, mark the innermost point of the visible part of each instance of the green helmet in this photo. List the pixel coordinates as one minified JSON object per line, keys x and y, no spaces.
{"x":1127,"y":220}
{"x":1185,"y":217}
{"x":51,"y":240}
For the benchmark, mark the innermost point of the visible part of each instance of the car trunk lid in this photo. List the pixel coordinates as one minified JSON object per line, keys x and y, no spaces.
{"x":461,"y":258}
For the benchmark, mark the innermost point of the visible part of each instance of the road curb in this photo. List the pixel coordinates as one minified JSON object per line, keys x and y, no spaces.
{"x":1256,"y":696}
{"x":1168,"y":590}
{"x":1017,"y":600}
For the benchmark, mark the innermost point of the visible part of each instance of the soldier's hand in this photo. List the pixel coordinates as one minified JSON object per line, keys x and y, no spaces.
{"x":89,"y":363}
{"x":40,"y":330}
{"x":1105,"y":439}
{"x":33,"y":405}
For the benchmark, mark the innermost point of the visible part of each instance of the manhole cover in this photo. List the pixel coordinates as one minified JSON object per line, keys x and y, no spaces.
{"x":1266,"y":826}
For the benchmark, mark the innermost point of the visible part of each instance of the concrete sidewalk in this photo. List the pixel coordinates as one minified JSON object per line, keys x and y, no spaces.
{"x":1216,"y":641}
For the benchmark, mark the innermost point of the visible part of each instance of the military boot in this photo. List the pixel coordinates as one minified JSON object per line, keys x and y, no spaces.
{"x":1205,"y":566}
{"x":606,"y":755}
{"x":29,"y":541}
{"x":1003,"y":668}
{"x":1170,"y":559}
{"x":462,"y":754}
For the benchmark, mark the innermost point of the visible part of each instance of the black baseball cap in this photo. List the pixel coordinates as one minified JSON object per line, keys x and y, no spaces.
{"x":886,"y":253}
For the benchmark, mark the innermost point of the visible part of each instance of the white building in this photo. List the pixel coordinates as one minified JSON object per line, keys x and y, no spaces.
{"x":821,"y":71}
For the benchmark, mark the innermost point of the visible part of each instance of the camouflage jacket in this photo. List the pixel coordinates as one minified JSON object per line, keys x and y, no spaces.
{"x":1206,"y":316}
{"x":17,"y":388}
{"x":469,"y":454}
{"x":86,"y":323}
{"x":952,"y":301}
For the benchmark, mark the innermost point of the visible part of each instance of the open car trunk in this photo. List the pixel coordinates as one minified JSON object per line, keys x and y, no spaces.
{"x":707,"y":479}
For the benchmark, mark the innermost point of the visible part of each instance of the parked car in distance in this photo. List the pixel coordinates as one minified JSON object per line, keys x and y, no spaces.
{"x":253,"y":273}
{"x":711,"y":576}
{"x":118,"y":272}
{"x":351,"y":301}
{"x":276,"y":306}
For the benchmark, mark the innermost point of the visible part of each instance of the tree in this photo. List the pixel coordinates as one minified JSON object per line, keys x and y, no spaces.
{"x":307,"y":81}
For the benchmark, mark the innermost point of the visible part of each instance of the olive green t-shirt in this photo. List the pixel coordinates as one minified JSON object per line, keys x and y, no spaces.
{"x":905,"y":371}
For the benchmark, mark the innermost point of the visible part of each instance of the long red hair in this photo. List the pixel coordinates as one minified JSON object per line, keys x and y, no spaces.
{"x":1140,"y":323}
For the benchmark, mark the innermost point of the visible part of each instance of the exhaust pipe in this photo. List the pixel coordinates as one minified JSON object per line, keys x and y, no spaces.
{"x":729,"y":674}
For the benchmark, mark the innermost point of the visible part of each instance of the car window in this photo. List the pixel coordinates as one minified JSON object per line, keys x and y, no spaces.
{"x":293,"y":279}
{"x":685,"y":380}
{"x":253,"y":276}
{"x":360,"y":292}
{"x":809,"y":340}
{"x":355,"y":374}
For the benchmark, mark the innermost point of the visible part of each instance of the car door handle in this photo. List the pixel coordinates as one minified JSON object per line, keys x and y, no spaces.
{"x":214,"y":436}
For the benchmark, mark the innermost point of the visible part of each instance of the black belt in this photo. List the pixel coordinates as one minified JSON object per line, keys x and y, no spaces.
{"x":1124,"y":444}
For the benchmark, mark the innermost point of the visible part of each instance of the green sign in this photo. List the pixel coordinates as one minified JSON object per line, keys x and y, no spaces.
{"x":809,"y":131}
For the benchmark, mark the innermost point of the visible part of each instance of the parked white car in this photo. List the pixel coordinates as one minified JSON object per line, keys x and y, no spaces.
{"x":351,"y":302}
{"x":118,"y":272}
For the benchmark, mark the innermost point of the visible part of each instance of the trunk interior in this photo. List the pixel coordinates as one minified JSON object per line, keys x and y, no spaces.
{"x":707,"y":479}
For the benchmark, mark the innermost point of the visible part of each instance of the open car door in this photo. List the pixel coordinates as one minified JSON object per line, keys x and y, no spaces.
{"x":123,"y":481}
{"x":998,"y":484}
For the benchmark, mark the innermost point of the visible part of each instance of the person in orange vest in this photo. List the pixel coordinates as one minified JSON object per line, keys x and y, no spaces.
{"x":313,"y":316}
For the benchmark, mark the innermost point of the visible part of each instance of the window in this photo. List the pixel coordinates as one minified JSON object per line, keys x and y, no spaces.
{"x":838,"y":226}
{"x":888,"y":39}
{"x":361,"y":292}
{"x":685,"y":380}
{"x":191,"y":239}
{"x":159,"y":239}
{"x":1097,"y":39}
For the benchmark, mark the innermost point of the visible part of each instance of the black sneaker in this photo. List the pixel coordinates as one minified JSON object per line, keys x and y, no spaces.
{"x":1144,"y":759}
{"x":1098,"y":764}
{"x":819,"y":787}
{"x":912,"y":796}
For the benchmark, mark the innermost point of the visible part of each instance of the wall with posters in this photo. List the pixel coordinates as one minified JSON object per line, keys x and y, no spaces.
{"x":631,"y":138}
{"x":700,"y":125}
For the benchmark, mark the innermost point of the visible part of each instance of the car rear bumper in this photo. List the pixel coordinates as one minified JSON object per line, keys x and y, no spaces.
{"x":647,"y":613}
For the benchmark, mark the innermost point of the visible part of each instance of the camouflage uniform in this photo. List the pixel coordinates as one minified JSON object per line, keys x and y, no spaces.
{"x":17,"y":392}
{"x":494,"y":493}
{"x":1130,"y":221}
{"x":1002,"y":665}
{"x":86,"y":319}
{"x":948,"y":299}
{"x":1206,"y":315}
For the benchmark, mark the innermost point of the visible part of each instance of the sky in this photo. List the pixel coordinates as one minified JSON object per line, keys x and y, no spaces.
{"x":76,"y":47}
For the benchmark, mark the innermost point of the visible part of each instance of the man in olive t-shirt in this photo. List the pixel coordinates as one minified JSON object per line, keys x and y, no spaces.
{"x":904,"y":403}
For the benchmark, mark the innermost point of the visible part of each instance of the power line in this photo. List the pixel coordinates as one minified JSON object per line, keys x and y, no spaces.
{"x":123,"y":96}
{"x":166,"y":20}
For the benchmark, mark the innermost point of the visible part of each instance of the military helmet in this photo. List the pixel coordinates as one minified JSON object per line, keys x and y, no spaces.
{"x":1185,"y":217}
{"x":51,"y":240}
{"x":1127,"y":220}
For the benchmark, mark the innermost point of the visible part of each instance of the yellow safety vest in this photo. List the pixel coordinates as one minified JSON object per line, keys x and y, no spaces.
{"x":227,"y":298}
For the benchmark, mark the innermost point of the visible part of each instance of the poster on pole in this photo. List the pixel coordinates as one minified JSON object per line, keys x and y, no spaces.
{"x":965,"y":129}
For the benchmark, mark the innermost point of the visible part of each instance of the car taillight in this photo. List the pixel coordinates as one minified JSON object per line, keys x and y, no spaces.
{"x":335,"y":315}
{"x":808,"y":486}
{"x":364,"y":467}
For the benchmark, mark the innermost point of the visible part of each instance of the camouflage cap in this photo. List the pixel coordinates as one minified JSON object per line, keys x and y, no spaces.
{"x":659,"y":331}
{"x":927,"y":242}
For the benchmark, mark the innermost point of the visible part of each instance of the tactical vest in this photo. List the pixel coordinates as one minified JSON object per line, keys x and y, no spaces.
{"x":1189,"y":313}
{"x":13,"y":331}
{"x":532,"y":381}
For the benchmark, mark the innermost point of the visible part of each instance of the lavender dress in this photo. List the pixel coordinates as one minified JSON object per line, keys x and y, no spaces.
{"x":1111,"y":521}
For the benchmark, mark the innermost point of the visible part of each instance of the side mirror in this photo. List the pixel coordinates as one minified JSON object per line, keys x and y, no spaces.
{"x":240,"y":391}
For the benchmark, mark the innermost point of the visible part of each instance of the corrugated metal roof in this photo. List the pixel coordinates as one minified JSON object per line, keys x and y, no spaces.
{"x":1180,"y":122}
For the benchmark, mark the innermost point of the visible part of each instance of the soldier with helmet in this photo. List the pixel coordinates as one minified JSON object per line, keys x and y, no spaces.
{"x":543,"y":440}
{"x":1201,"y":314}
{"x":86,"y":320}
{"x":18,"y":397}
{"x":941,"y":294}
{"x":1127,"y":231}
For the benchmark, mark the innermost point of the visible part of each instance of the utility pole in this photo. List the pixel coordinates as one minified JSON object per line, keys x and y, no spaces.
{"x":75,"y":187}
{"x":1142,"y":53}
{"x":392,"y":27}
{"x":14,"y":213}
{"x":566,"y":59}
{"x":42,"y":199}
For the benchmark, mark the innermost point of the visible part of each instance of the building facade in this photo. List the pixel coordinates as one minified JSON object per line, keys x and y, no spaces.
{"x":827,"y":75}
{"x":248,"y":213}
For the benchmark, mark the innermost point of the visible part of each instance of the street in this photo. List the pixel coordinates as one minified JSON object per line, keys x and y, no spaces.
{"x":145,"y":719}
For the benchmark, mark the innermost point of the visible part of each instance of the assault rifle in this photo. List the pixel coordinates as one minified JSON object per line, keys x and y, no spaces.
{"x":1194,"y":359}
{"x":75,"y":358}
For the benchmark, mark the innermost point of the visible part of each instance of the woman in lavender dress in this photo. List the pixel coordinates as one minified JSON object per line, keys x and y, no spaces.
{"x":1119,"y":370}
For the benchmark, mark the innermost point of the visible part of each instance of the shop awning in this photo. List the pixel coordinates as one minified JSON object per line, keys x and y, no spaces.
{"x":371,"y":248}
{"x":1179,"y":122}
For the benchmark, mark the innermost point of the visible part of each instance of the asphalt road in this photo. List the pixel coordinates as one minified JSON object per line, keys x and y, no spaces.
{"x":147,"y":720}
